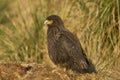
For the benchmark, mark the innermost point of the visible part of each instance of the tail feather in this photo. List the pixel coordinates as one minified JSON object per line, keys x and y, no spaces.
{"x":92,"y":68}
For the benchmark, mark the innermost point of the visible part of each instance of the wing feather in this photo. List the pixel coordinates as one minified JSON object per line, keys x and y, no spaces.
{"x":73,"y":48}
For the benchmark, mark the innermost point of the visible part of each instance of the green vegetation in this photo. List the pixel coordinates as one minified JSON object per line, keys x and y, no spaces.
{"x":95,"y":22}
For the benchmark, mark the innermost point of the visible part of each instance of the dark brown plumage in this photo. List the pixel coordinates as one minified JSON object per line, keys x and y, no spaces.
{"x":64,"y":48}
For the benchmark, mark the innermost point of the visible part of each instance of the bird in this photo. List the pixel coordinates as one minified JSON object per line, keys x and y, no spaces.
{"x":64,"y":48}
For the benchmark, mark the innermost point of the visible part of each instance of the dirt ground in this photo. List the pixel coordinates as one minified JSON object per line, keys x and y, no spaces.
{"x":34,"y":71}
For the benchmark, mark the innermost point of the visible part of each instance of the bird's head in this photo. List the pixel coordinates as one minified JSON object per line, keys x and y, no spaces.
{"x":53,"y":20}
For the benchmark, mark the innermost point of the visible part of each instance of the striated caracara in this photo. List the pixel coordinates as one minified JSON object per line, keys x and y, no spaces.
{"x":64,"y":48}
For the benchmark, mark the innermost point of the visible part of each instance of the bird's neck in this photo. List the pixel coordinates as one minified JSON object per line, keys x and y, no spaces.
{"x":52,"y":31}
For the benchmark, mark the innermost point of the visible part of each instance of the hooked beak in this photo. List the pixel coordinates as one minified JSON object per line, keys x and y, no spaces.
{"x":48,"y":22}
{"x":45,"y":22}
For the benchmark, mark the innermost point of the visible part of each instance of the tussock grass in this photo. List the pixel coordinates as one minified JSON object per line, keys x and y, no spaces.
{"x":23,"y":40}
{"x":96,"y":23}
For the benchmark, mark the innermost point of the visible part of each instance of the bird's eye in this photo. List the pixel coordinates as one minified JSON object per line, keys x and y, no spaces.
{"x":53,"y":21}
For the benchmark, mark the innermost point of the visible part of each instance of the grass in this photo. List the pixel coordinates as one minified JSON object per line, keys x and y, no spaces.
{"x":96,"y":23}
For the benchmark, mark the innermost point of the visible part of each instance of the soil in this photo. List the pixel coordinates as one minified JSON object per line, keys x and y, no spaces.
{"x":34,"y":71}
